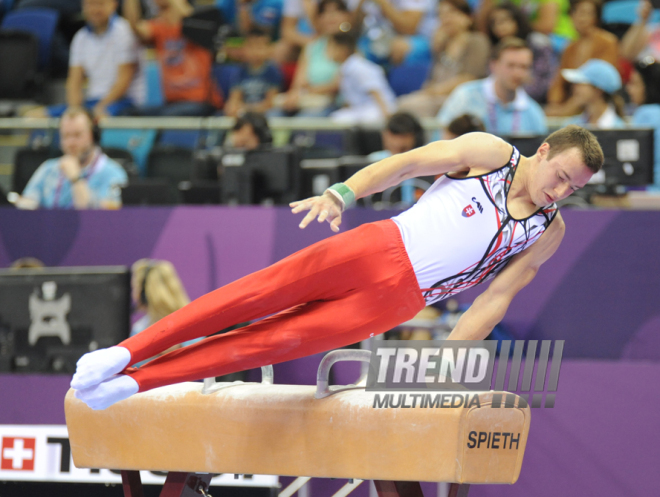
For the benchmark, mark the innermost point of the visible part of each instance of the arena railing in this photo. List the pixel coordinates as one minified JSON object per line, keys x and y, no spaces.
{"x":215,"y":123}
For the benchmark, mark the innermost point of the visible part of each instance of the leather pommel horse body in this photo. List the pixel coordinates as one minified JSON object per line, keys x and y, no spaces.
{"x":292,"y":430}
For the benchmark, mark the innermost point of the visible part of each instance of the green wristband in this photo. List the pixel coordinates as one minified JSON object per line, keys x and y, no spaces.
{"x":347,"y":195}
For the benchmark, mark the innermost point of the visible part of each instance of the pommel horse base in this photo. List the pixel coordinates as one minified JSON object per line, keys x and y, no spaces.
{"x":293,"y":430}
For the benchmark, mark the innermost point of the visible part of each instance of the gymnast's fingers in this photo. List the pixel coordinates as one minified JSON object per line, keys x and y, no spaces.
{"x":301,"y":205}
{"x":323,"y":215}
{"x":311,"y":215}
{"x":334,"y":225}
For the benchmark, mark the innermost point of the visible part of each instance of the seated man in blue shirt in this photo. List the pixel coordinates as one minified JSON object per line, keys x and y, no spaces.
{"x":500,"y":100}
{"x":83,"y":178}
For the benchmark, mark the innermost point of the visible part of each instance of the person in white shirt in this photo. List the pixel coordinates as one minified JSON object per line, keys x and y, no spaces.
{"x":104,"y":67}
{"x":363,"y":86}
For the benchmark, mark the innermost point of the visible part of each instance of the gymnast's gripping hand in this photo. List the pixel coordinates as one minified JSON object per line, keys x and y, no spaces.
{"x":326,"y":207}
{"x":95,"y":367}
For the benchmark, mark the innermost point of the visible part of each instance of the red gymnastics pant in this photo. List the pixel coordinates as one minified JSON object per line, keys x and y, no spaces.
{"x":336,"y":292}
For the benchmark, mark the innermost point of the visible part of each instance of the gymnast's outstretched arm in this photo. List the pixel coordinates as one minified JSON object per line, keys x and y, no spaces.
{"x":481,"y":151}
{"x":489,"y":308}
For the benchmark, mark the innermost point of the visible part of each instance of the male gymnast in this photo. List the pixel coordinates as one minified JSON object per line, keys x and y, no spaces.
{"x":491,"y":214}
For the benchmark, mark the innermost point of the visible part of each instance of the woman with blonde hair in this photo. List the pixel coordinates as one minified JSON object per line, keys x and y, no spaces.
{"x":157,"y":291}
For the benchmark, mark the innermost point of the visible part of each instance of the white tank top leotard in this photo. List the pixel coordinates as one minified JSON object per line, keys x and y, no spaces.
{"x":460,"y":232}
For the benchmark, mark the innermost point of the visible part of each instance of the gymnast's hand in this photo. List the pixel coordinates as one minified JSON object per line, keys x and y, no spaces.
{"x":326,"y":207}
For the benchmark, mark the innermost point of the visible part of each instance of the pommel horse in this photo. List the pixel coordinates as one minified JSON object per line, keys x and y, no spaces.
{"x":303,"y":431}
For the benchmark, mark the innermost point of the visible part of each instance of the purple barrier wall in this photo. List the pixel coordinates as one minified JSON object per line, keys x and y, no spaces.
{"x":599,"y":292}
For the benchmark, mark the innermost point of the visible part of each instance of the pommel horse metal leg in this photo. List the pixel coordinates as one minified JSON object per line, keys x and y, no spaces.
{"x":177,"y":484}
{"x":414,"y":489}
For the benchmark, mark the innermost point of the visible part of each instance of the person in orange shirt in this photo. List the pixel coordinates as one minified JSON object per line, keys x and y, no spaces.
{"x":188,"y":87}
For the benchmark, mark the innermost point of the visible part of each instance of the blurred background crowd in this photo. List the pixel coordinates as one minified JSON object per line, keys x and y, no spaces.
{"x":511,"y":68}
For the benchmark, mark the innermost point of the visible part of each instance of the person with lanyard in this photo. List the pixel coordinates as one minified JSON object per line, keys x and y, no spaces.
{"x":500,"y":100}
{"x":491,"y":214}
{"x":83,"y":178}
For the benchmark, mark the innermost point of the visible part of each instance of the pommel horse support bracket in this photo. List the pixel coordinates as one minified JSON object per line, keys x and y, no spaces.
{"x":299,"y":430}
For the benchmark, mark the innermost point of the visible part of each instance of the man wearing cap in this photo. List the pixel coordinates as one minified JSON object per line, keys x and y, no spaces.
{"x":594,"y":86}
{"x":500,"y":101}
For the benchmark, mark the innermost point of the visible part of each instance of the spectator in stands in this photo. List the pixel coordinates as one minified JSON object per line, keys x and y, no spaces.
{"x":549,"y":17}
{"x":363,"y":87}
{"x":27,"y":263}
{"x":462,"y":125}
{"x":594,"y":86}
{"x":460,"y":55}
{"x":642,"y":39}
{"x":83,"y":178}
{"x":402,"y":133}
{"x":264,"y":14}
{"x":644,"y":91}
{"x":299,"y":22}
{"x":316,"y":82}
{"x":508,"y":20}
{"x":395,"y":30}
{"x":259,"y":80}
{"x":104,"y":71}
{"x":500,"y":100}
{"x":157,"y":291}
{"x":250,"y":131}
{"x":188,"y":87}
{"x":592,"y":43}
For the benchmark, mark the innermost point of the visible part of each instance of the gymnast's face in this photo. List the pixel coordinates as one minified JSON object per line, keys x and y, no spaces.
{"x":557,"y":177}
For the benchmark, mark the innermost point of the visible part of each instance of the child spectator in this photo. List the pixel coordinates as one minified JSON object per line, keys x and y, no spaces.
{"x":259,"y":80}
{"x":104,"y":54}
{"x":363,"y":86}
{"x":188,"y":87}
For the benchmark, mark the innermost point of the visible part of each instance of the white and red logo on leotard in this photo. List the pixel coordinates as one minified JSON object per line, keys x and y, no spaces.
{"x":468,"y":211}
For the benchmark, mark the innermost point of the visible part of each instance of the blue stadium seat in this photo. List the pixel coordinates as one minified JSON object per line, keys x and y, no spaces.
{"x":624,"y":12}
{"x":19,"y":52}
{"x":41,"y":23}
{"x":226,"y":75}
{"x":180,"y":138}
{"x":138,"y":142}
{"x":154,"y":86}
{"x":407,"y":78}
